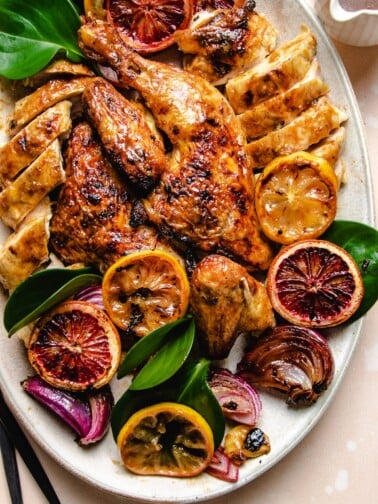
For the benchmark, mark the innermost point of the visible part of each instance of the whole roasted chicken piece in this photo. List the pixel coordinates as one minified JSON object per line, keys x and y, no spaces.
{"x":91,"y":221}
{"x":205,"y":196}
{"x":226,"y":302}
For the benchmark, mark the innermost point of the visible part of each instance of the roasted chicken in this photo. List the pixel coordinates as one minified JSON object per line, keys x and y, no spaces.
{"x":205,"y":196}
{"x":224,"y":42}
{"x":279,"y":71}
{"x":226,"y":301}
{"x":91,"y":221}
{"x":131,"y":145}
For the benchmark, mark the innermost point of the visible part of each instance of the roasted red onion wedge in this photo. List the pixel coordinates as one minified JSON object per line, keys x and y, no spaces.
{"x":91,"y":294}
{"x":240,"y":402}
{"x":88,"y":413}
{"x":222,"y":468}
{"x":295,"y":360}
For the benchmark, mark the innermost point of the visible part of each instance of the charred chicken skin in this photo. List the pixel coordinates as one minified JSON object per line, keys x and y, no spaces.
{"x":130,"y":144}
{"x":91,"y":221}
{"x":205,"y":196}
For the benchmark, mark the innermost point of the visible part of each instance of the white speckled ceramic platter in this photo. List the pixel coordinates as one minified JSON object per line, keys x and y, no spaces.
{"x":100,"y":465}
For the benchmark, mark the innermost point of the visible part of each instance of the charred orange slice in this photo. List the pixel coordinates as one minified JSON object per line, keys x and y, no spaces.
{"x":166,"y":439}
{"x":149,"y":25}
{"x":296,"y":197}
{"x":315,"y":283}
{"x":145,"y":290}
{"x":75,"y":346}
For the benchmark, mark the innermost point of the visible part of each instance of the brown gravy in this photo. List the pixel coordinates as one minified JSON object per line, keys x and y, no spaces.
{"x":355,"y":5}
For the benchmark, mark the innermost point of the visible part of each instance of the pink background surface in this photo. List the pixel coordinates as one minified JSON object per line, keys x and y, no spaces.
{"x":337,"y":462}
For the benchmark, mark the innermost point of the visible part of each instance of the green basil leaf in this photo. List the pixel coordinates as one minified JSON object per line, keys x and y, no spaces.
{"x":41,"y":291}
{"x":33,"y":32}
{"x":361,"y":241}
{"x":167,"y":360}
{"x":148,"y":345}
{"x":196,"y":393}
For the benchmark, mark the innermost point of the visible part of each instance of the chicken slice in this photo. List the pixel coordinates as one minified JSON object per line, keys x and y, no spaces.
{"x":314,"y":124}
{"x":32,"y":140}
{"x":26,"y":249}
{"x":46,"y":96}
{"x":125,"y":133}
{"x":226,"y":41}
{"x":279,"y":110}
{"x":19,"y":198}
{"x":205,"y":196}
{"x":285,"y":66}
{"x":330,"y":149}
{"x":226,"y":301}
{"x":58,"y":69}
{"x":91,"y":220}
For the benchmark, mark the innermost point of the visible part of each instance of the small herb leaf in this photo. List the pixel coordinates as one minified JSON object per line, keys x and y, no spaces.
{"x":41,"y":291}
{"x":167,"y":360}
{"x":148,"y":345}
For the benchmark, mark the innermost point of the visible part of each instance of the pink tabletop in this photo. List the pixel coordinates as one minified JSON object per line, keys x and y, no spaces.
{"x":337,"y":462}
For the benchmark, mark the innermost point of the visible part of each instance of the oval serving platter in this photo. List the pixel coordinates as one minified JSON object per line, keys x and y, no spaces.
{"x":100,"y":465}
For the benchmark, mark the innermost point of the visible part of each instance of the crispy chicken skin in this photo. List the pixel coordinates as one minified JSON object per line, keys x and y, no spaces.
{"x":224,"y":42}
{"x":91,"y":221}
{"x":131,"y":145}
{"x":205,"y":196}
{"x":226,"y":301}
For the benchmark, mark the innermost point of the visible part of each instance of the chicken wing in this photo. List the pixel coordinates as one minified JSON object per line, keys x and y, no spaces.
{"x":226,"y":301}
{"x":91,"y":221}
{"x":226,"y":41}
{"x":205,"y":196}
{"x":131,"y":145}
{"x":285,"y":66}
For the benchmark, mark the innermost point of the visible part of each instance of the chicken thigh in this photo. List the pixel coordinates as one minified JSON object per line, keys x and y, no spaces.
{"x":205,"y":197}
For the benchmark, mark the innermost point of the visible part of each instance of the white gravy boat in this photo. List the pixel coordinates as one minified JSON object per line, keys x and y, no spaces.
{"x":353,"y":27}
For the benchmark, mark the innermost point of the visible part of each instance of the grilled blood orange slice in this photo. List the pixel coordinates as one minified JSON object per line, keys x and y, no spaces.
{"x":296,"y":197}
{"x":145,"y":290}
{"x":315,"y":283}
{"x":166,"y":439}
{"x":75,"y":346}
{"x":148,"y":25}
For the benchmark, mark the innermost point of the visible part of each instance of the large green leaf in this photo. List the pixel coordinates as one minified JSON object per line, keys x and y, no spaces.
{"x":361,"y":241}
{"x":33,"y":32}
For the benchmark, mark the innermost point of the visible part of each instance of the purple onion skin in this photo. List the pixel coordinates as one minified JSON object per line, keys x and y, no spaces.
{"x":101,"y":402}
{"x":239,"y":401}
{"x":294,"y":360}
{"x":69,"y":407}
{"x":88,"y":413}
{"x":91,"y":294}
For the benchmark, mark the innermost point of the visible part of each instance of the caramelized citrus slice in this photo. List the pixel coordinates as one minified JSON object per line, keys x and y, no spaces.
{"x":148,"y":25}
{"x":296,"y":197}
{"x":75,"y":346}
{"x":167,"y":439}
{"x":315,"y":283}
{"x":145,"y":290}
